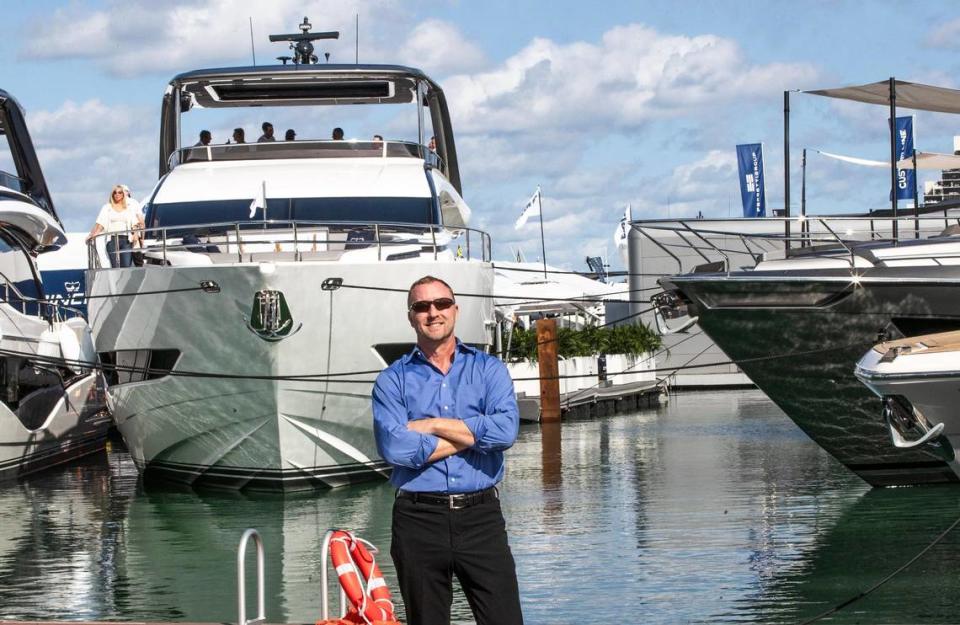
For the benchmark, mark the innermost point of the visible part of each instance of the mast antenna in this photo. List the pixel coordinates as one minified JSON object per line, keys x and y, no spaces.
{"x":302,"y":43}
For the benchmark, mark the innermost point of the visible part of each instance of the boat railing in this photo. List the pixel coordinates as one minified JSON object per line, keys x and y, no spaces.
{"x":302,"y":149}
{"x":47,"y":309}
{"x":291,"y":241}
{"x":728,"y":244}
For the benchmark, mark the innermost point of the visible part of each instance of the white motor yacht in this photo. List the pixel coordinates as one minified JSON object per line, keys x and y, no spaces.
{"x":796,"y":313}
{"x":274,"y":282}
{"x":917,"y":379}
{"x":51,"y":395}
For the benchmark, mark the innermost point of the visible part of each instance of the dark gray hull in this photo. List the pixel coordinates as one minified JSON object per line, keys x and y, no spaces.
{"x":799,"y":337}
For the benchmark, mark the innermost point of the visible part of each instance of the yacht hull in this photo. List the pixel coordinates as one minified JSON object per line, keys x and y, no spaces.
{"x":798,"y":338}
{"x":254,"y":419}
{"x":74,"y":428}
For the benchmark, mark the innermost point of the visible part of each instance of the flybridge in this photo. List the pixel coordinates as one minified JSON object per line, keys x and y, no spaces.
{"x":312,"y":85}
{"x":304,"y":82}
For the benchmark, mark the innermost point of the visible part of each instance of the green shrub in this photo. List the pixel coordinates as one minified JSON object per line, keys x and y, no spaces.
{"x":632,"y":340}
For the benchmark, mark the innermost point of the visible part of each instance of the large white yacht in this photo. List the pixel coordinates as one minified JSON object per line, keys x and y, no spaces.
{"x":275,"y":277}
{"x":51,"y":396}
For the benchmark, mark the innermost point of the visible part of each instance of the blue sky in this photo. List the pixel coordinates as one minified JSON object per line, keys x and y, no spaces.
{"x":601,"y":105}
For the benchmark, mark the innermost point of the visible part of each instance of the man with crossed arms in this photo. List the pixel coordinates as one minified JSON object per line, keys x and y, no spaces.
{"x":442,"y":415}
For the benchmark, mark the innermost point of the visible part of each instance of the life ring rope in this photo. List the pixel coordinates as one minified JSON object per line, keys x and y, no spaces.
{"x":360,"y":577}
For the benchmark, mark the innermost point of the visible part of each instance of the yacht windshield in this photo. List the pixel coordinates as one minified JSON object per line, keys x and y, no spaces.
{"x":406,"y":210}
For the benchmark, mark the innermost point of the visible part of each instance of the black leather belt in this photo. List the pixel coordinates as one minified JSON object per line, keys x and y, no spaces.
{"x":456,"y":501}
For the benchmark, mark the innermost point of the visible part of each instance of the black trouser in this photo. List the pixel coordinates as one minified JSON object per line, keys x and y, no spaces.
{"x":431,"y":543}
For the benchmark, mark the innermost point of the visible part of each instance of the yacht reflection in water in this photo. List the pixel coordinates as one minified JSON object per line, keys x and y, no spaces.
{"x":871,"y":538}
{"x":63,"y":541}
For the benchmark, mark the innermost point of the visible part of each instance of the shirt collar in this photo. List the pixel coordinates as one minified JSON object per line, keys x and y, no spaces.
{"x":417,"y":352}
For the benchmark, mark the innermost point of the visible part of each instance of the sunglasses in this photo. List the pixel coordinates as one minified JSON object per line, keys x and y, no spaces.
{"x":441,"y":303}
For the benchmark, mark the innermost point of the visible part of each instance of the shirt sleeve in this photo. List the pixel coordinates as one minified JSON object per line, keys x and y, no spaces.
{"x":395,"y":443}
{"x":497,"y":428}
{"x":102,"y":217}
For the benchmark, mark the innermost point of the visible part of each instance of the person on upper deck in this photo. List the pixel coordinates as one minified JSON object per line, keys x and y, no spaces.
{"x":239,"y":136}
{"x":118,"y":219}
{"x":205,"y":138}
{"x":267,"y":133}
{"x":290,"y":135}
{"x":337,"y":134}
{"x":431,"y":156}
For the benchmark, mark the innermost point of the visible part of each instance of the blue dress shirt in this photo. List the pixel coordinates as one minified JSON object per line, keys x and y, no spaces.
{"x":476,"y":389}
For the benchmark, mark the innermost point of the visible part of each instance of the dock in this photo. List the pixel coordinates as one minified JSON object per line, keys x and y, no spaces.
{"x":597,"y":401}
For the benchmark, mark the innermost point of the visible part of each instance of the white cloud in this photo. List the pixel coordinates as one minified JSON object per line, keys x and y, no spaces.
{"x":633,"y":75}
{"x":439,"y":47}
{"x":945,"y":35}
{"x":86,"y":147}
{"x":137,"y":36}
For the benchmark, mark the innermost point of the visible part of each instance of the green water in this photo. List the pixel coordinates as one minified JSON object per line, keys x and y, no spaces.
{"x":714,"y":508}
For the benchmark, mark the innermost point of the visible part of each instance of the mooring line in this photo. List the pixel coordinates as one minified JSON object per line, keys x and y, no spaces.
{"x":883,"y":581}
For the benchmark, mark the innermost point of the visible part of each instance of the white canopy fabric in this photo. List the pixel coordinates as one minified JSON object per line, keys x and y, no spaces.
{"x":931,"y":160}
{"x":909,"y":95}
{"x":853,"y":159}
{"x":925,"y":160}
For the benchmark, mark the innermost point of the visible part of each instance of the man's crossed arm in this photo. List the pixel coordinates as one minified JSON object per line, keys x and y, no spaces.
{"x":453,"y":434}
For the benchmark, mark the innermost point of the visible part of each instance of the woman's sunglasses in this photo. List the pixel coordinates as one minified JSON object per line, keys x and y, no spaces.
{"x":441,"y":303}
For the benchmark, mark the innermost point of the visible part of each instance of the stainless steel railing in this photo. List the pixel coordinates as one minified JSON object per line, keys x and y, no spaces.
{"x":749,"y":241}
{"x":296,"y":240}
{"x":46,"y":309}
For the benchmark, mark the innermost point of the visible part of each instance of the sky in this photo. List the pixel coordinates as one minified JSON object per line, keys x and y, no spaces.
{"x":640,"y":103}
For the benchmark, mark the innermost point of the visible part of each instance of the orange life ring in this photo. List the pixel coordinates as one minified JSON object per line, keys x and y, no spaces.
{"x":360,"y":578}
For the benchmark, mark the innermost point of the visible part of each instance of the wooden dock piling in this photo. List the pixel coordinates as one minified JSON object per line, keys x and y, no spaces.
{"x":549,"y":370}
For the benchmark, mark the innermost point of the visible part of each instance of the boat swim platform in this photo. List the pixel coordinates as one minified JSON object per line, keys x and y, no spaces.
{"x":597,"y":401}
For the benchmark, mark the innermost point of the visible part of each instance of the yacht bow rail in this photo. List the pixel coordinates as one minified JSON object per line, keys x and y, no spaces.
{"x":275,"y":240}
{"x":726,"y":244}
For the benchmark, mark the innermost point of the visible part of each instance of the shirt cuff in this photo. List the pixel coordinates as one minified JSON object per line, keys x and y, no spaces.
{"x":428,"y":445}
{"x":477,"y":426}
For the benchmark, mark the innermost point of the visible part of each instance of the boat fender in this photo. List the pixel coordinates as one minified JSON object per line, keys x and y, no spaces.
{"x":81,"y":347}
{"x":361,"y":580}
{"x":49,"y":344}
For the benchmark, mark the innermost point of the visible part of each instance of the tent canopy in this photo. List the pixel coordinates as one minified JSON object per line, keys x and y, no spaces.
{"x":909,"y":95}
{"x":925,"y":160}
{"x":931,"y":160}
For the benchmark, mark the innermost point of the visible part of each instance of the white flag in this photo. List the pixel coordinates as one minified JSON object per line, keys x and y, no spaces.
{"x":532,"y":208}
{"x":259,"y":201}
{"x":623,"y":229}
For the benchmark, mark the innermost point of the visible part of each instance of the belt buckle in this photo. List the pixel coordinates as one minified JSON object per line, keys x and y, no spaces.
{"x":452,"y":499}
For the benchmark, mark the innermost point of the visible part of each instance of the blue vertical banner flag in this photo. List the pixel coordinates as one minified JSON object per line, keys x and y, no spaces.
{"x":750,"y":165}
{"x":905,"y":150}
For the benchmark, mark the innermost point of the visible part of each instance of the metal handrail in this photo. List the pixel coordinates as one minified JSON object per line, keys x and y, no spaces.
{"x":301,"y":148}
{"x":324,"y":598}
{"x":241,"y":580}
{"x":24,"y":300}
{"x":170,"y":238}
{"x":847,"y":233}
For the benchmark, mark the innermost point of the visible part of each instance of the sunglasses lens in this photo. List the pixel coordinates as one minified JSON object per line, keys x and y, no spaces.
{"x":423,"y":306}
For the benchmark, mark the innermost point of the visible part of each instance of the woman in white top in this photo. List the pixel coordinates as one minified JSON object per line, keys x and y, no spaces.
{"x":116,"y":217}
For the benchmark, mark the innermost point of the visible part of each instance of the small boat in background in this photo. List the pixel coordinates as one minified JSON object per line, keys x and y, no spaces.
{"x":51,"y":393}
{"x":918,"y":379}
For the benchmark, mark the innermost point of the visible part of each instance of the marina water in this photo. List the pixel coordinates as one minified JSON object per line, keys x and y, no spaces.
{"x":713,"y":507}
